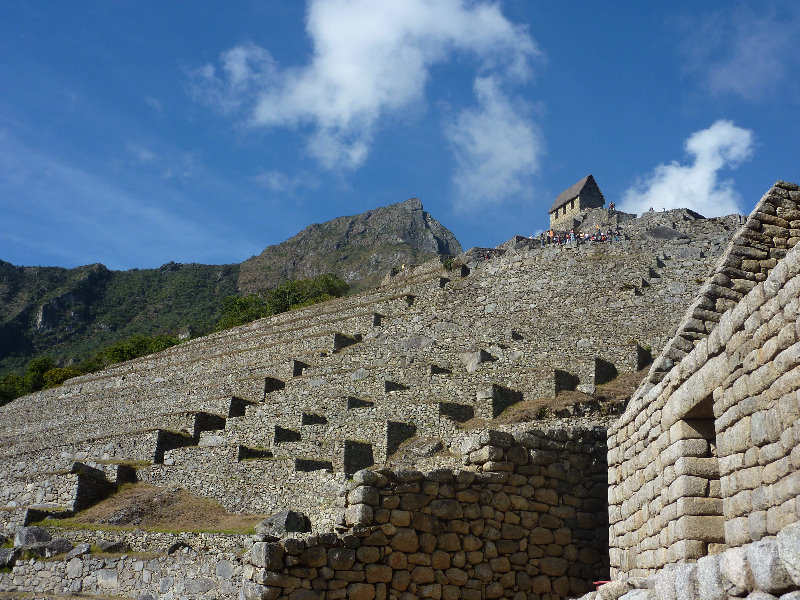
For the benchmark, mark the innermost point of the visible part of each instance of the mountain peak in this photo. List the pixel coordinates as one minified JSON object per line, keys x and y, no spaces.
{"x":358,"y":248}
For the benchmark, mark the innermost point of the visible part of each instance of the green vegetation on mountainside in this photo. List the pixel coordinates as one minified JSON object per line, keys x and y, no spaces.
{"x":70,"y":314}
{"x":238,"y":310}
{"x":43,"y":371}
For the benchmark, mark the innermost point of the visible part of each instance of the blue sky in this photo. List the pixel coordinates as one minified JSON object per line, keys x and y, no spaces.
{"x":135,"y":133}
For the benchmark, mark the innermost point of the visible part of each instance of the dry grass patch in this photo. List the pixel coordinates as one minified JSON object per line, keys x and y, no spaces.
{"x":145,"y":506}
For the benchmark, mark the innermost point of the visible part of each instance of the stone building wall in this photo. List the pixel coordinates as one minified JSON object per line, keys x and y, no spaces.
{"x":590,"y":197}
{"x":707,"y":455}
{"x":526,"y":519}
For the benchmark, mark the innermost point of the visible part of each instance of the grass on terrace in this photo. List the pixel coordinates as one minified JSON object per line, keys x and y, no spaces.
{"x":166,"y":510}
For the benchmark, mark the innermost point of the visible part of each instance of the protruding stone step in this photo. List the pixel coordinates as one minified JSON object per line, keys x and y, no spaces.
{"x":494,"y":400}
{"x":604,"y":371}
{"x":353,"y":402}
{"x":396,"y":434}
{"x":306,"y":465}
{"x":238,"y":406}
{"x":298,"y":367}
{"x":393,"y":386}
{"x":247,"y":453}
{"x":285,"y":435}
{"x":313,"y":419}
{"x":170,"y":440}
{"x":460,"y":413}
{"x":437,"y":370}
{"x":472,"y":360}
{"x":564,"y":380}
{"x":377,"y":319}
{"x":342,"y":340}
{"x":204,"y":421}
{"x":273,"y":384}
{"x":357,"y":455}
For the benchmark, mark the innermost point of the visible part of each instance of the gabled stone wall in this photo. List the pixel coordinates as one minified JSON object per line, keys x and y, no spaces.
{"x":707,"y":455}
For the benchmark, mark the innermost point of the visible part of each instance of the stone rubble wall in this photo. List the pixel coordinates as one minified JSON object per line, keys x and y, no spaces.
{"x":141,"y":541}
{"x":525,"y":519}
{"x":257,"y":486}
{"x":11,"y":519}
{"x":766,"y":236}
{"x":185,"y":574}
{"x":58,"y":489}
{"x":708,"y":457}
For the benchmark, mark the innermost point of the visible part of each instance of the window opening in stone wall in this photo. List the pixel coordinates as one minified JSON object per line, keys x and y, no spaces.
{"x":699,"y":519}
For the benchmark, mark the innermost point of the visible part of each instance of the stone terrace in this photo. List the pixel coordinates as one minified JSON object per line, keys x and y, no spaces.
{"x":276,"y":414}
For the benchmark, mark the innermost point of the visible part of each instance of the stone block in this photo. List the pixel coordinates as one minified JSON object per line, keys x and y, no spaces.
{"x":768,"y":570}
{"x":341,"y":559}
{"x":360,"y":591}
{"x":284,"y":522}
{"x":364,"y":494}
{"x":446,"y":509}
{"x":737,"y":578}
{"x":553,"y":566}
{"x":358,"y":514}
{"x":709,"y":578}
{"x":699,"y":506}
{"x":789,"y":550}
{"x":706,"y":528}
{"x":405,"y":540}
{"x":687,"y":485}
{"x":29,"y":536}
{"x":267,"y":555}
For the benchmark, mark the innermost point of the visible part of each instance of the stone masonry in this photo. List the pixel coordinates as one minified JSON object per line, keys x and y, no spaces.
{"x":290,"y":412}
{"x":704,"y":465}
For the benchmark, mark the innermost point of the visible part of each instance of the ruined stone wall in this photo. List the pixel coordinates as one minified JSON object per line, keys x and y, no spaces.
{"x":258,"y":486}
{"x":526,"y":517}
{"x":185,"y":574}
{"x":707,"y":455}
{"x":139,"y":541}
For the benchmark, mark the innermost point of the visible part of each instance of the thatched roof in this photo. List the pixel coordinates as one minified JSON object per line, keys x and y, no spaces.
{"x":573,"y":191}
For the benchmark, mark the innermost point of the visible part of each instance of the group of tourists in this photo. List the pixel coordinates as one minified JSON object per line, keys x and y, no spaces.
{"x":573,"y":238}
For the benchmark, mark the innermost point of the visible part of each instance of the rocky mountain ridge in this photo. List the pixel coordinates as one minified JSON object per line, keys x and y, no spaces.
{"x":72,"y":312}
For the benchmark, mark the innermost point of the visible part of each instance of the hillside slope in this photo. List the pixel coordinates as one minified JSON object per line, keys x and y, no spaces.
{"x":69,"y":313}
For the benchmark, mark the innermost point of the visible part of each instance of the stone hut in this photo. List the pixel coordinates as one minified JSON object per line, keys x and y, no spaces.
{"x":578,"y":197}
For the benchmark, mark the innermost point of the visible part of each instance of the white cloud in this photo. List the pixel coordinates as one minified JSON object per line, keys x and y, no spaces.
{"x":280,"y":183}
{"x":369,"y":60}
{"x":245,"y":71}
{"x":497,"y":149}
{"x":154,"y":103}
{"x":696,"y":186}
{"x":742,"y":51}
{"x":140,"y":154}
